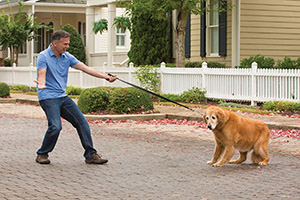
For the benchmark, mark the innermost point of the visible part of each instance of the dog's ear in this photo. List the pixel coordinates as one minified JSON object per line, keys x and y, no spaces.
{"x":222,"y":116}
{"x":204,"y":117}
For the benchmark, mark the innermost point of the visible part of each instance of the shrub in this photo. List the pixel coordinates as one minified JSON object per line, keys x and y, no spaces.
{"x":22,"y":88}
{"x":130,"y":100}
{"x":281,"y":106}
{"x":173,"y":97}
{"x":150,"y":38}
{"x":148,"y":77}
{"x":288,"y":63}
{"x":261,"y":61}
{"x":71,"y":90}
{"x":193,"y":64}
{"x":7,"y":62}
{"x":93,"y":99}
{"x":215,"y":65}
{"x":209,"y":65}
{"x":4,"y":90}
{"x":76,"y":46}
{"x":193,"y":95}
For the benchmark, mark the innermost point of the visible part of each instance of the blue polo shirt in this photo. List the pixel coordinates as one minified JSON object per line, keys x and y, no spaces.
{"x":56,"y":74}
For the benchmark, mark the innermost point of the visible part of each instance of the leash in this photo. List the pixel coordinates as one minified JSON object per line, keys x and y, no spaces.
{"x":148,"y":91}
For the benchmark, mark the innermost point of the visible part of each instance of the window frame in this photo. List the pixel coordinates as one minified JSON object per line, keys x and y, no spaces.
{"x":209,"y":28}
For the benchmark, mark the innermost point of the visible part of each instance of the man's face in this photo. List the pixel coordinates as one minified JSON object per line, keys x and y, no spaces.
{"x":62,"y":45}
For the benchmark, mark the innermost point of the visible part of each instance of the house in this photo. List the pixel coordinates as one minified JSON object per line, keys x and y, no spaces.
{"x":111,"y":47}
{"x":267,"y":27}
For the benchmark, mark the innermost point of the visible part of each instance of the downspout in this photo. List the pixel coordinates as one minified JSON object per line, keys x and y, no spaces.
{"x":238,"y":34}
{"x":235,"y":57}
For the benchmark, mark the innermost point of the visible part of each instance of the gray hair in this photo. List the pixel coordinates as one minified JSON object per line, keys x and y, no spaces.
{"x":57,"y":35}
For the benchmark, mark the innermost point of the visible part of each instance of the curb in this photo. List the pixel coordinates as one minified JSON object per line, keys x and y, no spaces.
{"x":146,"y":117}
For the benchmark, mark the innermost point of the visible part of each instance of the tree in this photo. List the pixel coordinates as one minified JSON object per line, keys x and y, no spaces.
{"x":149,"y":38}
{"x":162,"y":8}
{"x":76,"y":46}
{"x":15,"y":30}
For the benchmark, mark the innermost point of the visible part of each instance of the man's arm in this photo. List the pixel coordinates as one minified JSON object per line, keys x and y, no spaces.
{"x":93,"y":72}
{"x":41,"y":79}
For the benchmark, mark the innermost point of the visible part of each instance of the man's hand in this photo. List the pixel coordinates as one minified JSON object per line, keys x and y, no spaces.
{"x":41,"y":85}
{"x":111,"y":78}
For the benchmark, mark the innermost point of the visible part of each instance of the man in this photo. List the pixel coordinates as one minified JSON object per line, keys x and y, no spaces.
{"x":52,"y":74}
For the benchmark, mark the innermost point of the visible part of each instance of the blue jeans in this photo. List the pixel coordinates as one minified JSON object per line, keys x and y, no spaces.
{"x":66,"y":108}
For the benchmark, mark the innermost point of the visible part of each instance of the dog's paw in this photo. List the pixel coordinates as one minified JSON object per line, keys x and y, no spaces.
{"x":217,"y":165}
{"x":234,"y":162}
{"x":263,"y":163}
{"x":210,"y":162}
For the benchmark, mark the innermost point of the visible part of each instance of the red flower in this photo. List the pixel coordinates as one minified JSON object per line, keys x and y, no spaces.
{"x":125,"y":91}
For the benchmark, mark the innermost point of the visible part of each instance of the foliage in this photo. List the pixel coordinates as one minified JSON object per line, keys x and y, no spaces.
{"x":209,"y":65}
{"x":148,"y":77}
{"x":4,"y":90}
{"x":71,"y":90}
{"x":193,"y":95}
{"x":22,"y":88}
{"x":215,"y":65}
{"x":93,"y":99}
{"x":288,"y":63}
{"x":193,"y":64}
{"x":100,"y":26}
{"x":76,"y":46}
{"x":123,"y":23}
{"x":7,"y":62}
{"x":130,"y":100}
{"x":261,"y":61}
{"x":149,"y":37}
{"x":151,"y":10}
{"x":15,"y":30}
{"x":173,"y":97}
{"x":281,"y":106}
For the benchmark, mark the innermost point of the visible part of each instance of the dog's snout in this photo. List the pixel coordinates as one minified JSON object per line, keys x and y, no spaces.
{"x":209,"y":126}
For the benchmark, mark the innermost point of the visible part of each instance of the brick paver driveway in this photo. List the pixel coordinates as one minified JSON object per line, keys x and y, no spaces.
{"x":145,"y":162}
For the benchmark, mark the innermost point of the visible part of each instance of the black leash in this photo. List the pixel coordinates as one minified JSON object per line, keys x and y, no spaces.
{"x":153,"y":93}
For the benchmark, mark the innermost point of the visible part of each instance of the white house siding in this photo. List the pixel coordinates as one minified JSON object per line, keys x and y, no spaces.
{"x":270,"y":28}
{"x":101,"y":40}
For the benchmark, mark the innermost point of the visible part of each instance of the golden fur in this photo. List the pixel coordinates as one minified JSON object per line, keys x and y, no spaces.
{"x":232,"y":132}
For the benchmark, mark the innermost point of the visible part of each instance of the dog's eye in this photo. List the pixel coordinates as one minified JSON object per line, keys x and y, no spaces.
{"x":207,"y":118}
{"x":213,"y":117}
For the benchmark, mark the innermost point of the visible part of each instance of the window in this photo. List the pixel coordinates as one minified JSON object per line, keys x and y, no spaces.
{"x":43,"y":39}
{"x":120,"y":38}
{"x":82,"y":31}
{"x":213,"y":29}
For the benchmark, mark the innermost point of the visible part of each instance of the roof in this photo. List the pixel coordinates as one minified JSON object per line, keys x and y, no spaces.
{"x":4,"y":2}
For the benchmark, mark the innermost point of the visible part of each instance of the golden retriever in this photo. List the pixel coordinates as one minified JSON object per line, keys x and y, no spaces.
{"x":232,"y":132}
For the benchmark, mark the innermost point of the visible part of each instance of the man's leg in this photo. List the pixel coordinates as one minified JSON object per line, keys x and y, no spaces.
{"x":51,"y":108}
{"x":72,"y":113}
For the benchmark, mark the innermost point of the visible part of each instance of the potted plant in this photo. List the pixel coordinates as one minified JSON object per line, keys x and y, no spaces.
{"x":100,"y":26}
{"x":122,"y":22}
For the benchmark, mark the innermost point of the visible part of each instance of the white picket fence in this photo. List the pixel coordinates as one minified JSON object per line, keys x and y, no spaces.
{"x":253,"y":85}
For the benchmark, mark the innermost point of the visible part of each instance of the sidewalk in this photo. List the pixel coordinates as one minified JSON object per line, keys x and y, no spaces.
{"x":175,"y":112}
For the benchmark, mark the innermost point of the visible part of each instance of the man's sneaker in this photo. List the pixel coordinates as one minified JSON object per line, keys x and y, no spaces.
{"x":42,"y":159}
{"x":96,"y":159}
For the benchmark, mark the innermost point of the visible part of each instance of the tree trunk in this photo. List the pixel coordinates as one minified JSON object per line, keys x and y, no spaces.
{"x":180,"y":38}
{"x":17,"y":56}
{"x":12,"y":56}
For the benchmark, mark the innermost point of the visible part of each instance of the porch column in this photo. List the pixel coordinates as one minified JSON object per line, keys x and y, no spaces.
{"x":30,"y":44}
{"x":90,"y":13}
{"x":111,"y":34}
